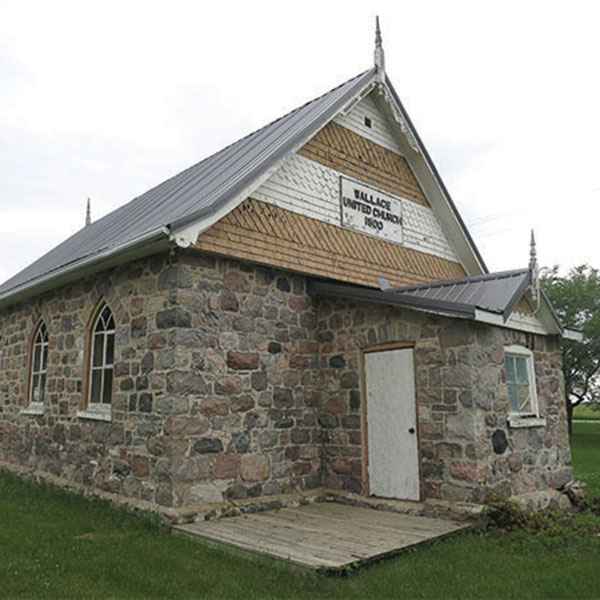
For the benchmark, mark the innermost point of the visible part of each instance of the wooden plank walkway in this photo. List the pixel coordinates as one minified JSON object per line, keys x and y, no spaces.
{"x":323,"y":535}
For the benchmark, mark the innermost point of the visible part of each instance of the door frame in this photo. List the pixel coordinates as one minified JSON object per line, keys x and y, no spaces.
{"x":365,"y":425}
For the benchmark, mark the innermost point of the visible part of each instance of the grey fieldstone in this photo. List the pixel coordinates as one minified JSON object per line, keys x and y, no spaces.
{"x":499,"y":441}
{"x":208,"y":445}
{"x":562,"y":477}
{"x":205,"y":493}
{"x":337,"y":362}
{"x":241,"y":442}
{"x":328,"y":421}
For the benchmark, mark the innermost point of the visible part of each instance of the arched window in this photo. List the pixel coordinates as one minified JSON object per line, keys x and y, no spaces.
{"x":101,"y":359}
{"x":37,"y":382}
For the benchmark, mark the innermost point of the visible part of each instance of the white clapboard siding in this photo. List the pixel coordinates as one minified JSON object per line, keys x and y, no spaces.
{"x":379,"y":132}
{"x":309,"y":188}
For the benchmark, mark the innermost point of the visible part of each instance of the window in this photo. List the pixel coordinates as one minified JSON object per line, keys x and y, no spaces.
{"x":101,"y":361}
{"x":37,"y":383}
{"x":520,"y":380}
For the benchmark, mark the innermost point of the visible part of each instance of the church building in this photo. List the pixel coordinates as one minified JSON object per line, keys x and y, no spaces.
{"x":303,"y":309}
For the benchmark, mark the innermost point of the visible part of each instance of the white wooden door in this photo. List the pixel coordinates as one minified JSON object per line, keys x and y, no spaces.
{"x":392,"y":424}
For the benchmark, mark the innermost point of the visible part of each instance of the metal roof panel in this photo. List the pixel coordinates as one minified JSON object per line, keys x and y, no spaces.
{"x":495,"y":292}
{"x":198,"y":190}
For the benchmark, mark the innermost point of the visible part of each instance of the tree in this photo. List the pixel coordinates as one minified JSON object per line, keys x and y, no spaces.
{"x":576,"y":299}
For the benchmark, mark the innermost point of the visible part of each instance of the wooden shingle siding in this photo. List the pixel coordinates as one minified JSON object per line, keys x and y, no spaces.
{"x":276,"y":237}
{"x":355,"y":156}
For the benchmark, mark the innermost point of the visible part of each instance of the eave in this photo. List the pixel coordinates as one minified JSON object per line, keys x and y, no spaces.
{"x":148,"y":244}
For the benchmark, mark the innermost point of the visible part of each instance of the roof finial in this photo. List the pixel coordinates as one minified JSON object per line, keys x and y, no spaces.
{"x":534,"y":272}
{"x":379,"y":56}
{"x":88,"y":214}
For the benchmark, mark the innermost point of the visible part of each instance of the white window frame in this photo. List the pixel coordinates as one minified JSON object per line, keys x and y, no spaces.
{"x":530,"y":418}
{"x":99,"y":410}
{"x":36,"y":407}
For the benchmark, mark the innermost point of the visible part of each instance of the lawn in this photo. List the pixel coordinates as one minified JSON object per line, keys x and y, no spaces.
{"x":587,"y":412}
{"x":55,"y":544}
{"x":586,"y":454}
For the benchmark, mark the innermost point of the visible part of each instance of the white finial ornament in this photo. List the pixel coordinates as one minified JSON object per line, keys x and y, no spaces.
{"x":534,"y":272}
{"x":379,"y":56}
{"x":88,"y":214}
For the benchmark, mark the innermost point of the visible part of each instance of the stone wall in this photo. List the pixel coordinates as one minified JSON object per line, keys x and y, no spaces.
{"x":466,"y":444}
{"x":213,"y":373}
{"x":232,"y":382}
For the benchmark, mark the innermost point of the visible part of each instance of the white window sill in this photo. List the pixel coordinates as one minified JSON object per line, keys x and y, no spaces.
{"x":521,"y":422}
{"x":94,"y":415}
{"x":35,"y":409}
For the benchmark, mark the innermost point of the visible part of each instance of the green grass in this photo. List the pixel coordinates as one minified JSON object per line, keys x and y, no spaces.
{"x":585,"y":447}
{"x":587,"y":412}
{"x":55,"y":544}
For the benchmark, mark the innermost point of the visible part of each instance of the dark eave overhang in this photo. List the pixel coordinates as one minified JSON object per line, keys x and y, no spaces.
{"x":390,"y":298}
{"x":148,"y":244}
{"x":398,"y":298}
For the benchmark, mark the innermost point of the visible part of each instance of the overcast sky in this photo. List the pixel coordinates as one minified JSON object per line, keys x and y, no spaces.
{"x":107,"y":99}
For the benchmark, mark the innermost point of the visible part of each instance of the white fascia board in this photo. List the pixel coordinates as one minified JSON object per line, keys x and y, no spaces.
{"x":485,"y":316}
{"x":547,"y":318}
{"x":356,"y":100}
{"x":188,"y":235}
{"x":573,"y":334}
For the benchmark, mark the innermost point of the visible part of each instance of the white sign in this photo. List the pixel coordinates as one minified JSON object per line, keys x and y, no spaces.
{"x":370,"y":210}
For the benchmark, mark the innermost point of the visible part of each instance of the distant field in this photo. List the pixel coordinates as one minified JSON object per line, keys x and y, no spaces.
{"x":587,"y":412}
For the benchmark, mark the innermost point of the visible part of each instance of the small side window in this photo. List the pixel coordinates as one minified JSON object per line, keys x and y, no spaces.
{"x":39,"y":360}
{"x":101,"y":361}
{"x":520,"y":381}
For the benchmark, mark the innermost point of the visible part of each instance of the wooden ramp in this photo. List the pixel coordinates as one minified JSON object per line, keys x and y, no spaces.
{"x":323,"y":535}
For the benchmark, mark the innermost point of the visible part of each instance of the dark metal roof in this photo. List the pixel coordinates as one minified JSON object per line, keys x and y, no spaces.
{"x":495,"y":292}
{"x":194,"y":193}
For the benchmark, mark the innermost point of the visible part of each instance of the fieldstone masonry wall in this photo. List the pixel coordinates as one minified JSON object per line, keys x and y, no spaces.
{"x":466,"y":444}
{"x":215,"y":362}
{"x":232,"y":382}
